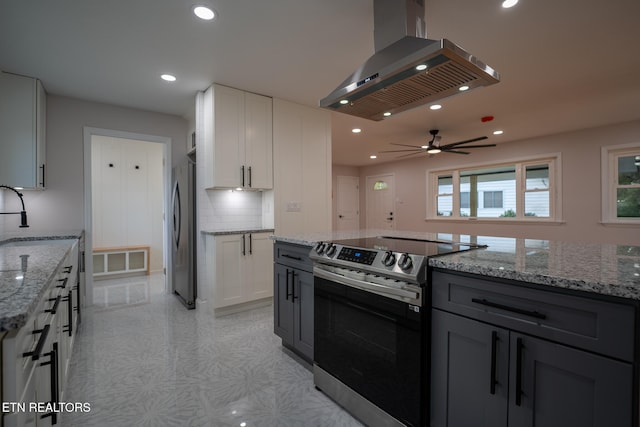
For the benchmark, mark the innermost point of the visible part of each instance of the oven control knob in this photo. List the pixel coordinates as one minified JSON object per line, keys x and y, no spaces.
{"x":405,"y":262}
{"x":320,"y":248}
{"x":331,"y":250}
{"x":388,"y":259}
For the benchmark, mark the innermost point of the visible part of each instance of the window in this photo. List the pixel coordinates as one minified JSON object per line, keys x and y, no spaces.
{"x":621,"y":184}
{"x":521,"y":190}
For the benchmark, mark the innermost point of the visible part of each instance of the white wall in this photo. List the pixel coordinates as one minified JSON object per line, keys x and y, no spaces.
{"x":61,"y":205}
{"x":127,"y":195}
{"x":581,"y":187}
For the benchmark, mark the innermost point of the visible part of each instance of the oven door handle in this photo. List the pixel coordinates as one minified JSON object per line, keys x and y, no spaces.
{"x":366,"y":286}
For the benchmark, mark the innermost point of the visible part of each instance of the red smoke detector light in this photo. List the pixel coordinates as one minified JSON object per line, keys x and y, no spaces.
{"x":486,"y":119}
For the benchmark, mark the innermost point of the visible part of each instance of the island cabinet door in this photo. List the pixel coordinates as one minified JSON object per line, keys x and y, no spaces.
{"x":283,"y":303}
{"x":469,"y":372}
{"x":303,"y":312}
{"x":557,"y":386}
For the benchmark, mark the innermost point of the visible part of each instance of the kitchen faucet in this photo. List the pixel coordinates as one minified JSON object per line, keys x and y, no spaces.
{"x":23,"y":212}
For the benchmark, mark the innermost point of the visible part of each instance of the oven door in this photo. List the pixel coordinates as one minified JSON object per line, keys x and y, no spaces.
{"x":374,"y":345}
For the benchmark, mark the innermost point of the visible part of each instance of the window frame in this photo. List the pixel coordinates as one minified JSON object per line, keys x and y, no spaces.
{"x":609,"y":158}
{"x":554,"y":162}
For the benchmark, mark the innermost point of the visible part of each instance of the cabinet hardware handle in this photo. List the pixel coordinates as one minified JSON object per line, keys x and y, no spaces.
{"x":64,"y":283}
{"x":42,"y":182}
{"x":55,"y":398}
{"x":494,"y":344}
{"x":529,"y":313}
{"x":35,"y":354}
{"x":68,"y":269}
{"x":244,"y":252}
{"x":297,"y":258}
{"x":250,"y":240}
{"x":242,"y":169}
{"x":54,"y":308}
{"x":249,"y":171}
{"x":69,"y":327}
{"x":288,"y":294}
{"x":293,"y":286}
{"x":519,"y":371}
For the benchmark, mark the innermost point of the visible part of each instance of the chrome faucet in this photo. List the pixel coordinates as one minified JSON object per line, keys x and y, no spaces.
{"x":23,"y":212}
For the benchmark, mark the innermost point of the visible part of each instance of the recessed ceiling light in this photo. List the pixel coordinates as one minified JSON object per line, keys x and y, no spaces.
{"x":498,"y":132}
{"x":509,"y":3}
{"x":344,"y":101}
{"x":373,"y":156}
{"x":356,"y":130}
{"x":463,"y":88}
{"x":435,"y":107}
{"x":387,"y":114}
{"x":204,"y":12}
{"x":421,"y":67}
{"x":168,"y":77}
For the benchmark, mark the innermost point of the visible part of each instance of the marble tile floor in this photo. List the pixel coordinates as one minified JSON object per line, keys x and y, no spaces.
{"x":142,"y":359}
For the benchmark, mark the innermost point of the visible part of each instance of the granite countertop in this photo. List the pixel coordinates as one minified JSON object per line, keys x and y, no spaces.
{"x":26,"y":270}
{"x":596,"y":268}
{"x":237,"y":231}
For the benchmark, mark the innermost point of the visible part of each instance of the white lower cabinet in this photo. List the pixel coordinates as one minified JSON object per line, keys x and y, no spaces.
{"x":243,"y":268}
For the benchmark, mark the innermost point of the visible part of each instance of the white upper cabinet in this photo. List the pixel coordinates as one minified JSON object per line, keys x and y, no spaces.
{"x":22,"y":131}
{"x":238,"y":139}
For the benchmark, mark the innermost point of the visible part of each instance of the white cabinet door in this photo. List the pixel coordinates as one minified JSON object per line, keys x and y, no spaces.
{"x":260,"y":266}
{"x":229,"y":277}
{"x":258,"y":141}
{"x":22,"y":131}
{"x":238,"y":139}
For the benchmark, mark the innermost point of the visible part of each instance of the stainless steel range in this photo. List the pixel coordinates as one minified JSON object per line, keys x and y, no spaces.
{"x":371,"y":326}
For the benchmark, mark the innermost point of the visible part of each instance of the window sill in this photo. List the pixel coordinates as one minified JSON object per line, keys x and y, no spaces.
{"x":620,"y":223}
{"x":498,"y":221}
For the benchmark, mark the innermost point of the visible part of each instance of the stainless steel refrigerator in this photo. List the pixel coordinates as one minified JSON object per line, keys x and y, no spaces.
{"x":183,"y":239}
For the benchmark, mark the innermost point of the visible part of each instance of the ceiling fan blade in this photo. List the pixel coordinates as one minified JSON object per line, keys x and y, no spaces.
{"x":410,"y":154}
{"x":456,"y":151}
{"x":455,"y":144}
{"x":405,"y":145}
{"x":398,"y":151}
{"x":479,"y":146}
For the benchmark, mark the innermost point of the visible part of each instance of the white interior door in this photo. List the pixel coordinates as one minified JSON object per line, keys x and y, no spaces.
{"x":381,"y":196}
{"x":348,"y":203}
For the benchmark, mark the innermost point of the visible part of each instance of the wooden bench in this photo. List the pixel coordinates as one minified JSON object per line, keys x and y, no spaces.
{"x":121,"y":260}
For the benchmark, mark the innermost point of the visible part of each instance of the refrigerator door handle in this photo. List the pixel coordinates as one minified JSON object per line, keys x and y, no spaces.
{"x":177,"y":215}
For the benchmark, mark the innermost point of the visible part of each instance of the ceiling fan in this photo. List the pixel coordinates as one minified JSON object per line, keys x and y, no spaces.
{"x":432,"y":148}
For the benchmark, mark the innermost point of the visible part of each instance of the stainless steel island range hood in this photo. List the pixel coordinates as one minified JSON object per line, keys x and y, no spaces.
{"x":406,"y":71}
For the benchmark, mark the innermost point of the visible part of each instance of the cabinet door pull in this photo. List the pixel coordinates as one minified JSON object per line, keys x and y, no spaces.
{"x":55,"y":397}
{"x":54,"y":308}
{"x":242,"y":172}
{"x":244,"y":251}
{"x":288,"y":294}
{"x":297,"y":258}
{"x":69,"y":327}
{"x":42,"y":182}
{"x":293,"y":286}
{"x":529,"y":313}
{"x":250,"y":241}
{"x":35,"y":354}
{"x":249,"y":171}
{"x":494,"y":344}
{"x":68,"y":269}
{"x":64,"y":283}
{"x":519,"y":372}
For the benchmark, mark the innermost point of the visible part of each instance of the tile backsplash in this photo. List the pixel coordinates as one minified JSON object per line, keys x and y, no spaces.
{"x":232,"y":210}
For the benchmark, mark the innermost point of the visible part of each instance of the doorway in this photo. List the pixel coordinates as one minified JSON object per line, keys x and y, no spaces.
{"x":122,"y":171}
{"x":348,"y":203}
{"x":380,"y":198}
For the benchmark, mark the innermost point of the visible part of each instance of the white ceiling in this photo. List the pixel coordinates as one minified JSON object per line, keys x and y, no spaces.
{"x":565,"y":65}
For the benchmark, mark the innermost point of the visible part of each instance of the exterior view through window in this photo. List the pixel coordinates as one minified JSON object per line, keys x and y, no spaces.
{"x":507,"y":191}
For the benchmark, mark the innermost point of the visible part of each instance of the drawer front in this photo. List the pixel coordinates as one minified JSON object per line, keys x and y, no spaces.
{"x":292,"y":255}
{"x":600,"y":326}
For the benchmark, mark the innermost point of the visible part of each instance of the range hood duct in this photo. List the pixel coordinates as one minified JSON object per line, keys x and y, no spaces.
{"x":389,"y":83}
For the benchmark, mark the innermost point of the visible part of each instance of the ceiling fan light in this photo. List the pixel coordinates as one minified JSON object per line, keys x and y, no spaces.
{"x":434,"y":150}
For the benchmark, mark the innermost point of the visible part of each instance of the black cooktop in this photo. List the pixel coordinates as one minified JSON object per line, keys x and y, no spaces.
{"x":427,"y":248}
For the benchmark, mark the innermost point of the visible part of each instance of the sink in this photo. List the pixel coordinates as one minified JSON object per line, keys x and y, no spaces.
{"x":18,"y":243}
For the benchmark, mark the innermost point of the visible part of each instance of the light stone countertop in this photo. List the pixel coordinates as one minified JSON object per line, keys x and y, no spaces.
{"x":603,"y":269}
{"x":237,"y":231}
{"x":26,"y":271}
